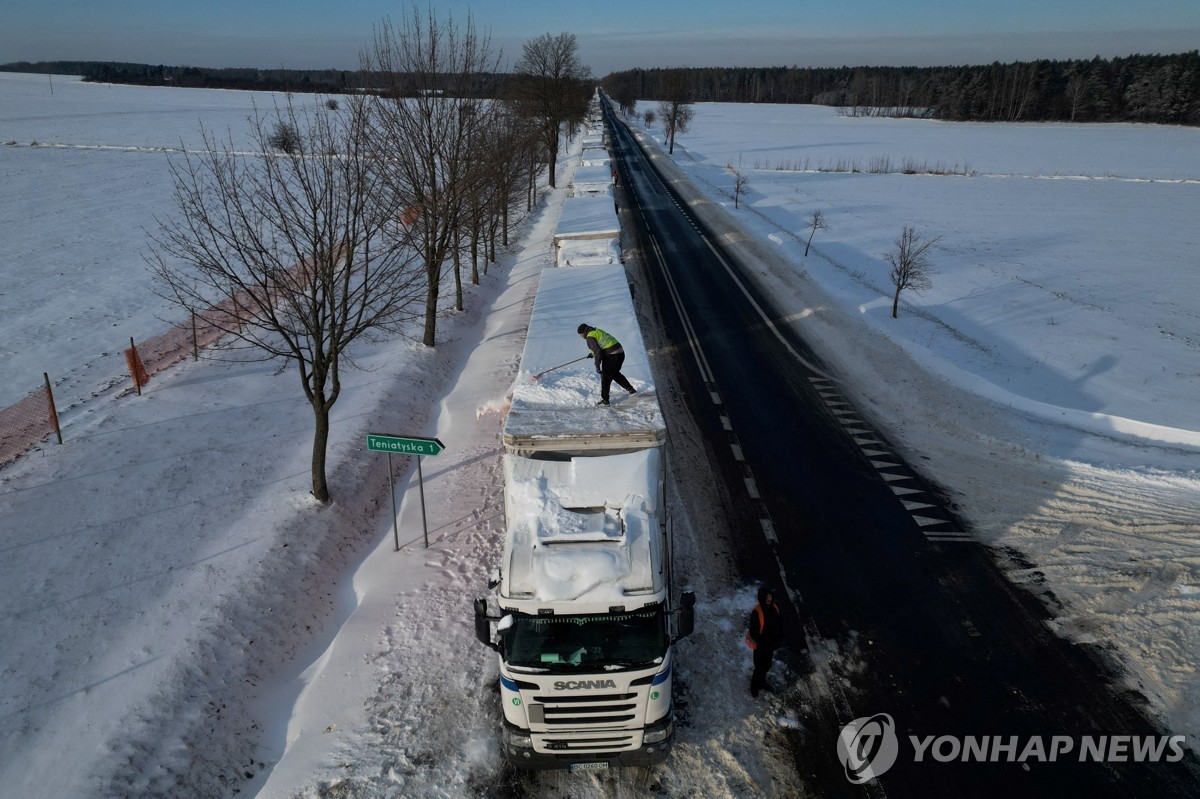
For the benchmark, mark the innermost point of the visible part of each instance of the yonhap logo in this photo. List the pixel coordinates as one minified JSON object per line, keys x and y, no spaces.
{"x":868,"y":747}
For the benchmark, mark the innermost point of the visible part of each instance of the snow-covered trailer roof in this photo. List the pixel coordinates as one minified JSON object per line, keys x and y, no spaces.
{"x":557,"y":412}
{"x":587,"y":218}
{"x":584,"y":531}
{"x":590,"y":175}
{"x":595,"y":156}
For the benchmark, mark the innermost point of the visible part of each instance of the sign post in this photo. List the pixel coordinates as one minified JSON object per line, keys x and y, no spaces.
{"x":405,"y":445}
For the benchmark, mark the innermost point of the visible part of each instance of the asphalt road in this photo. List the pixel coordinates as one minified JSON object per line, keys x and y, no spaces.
{"x":877,"y":565}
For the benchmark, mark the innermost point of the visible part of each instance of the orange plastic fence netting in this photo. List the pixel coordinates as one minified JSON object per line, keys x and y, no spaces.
{"x":168,"y":349}
{"x":137,"y":371}
{"x":29,"y":421}
{"x":25,"y":424}
{"x":206,"y":326}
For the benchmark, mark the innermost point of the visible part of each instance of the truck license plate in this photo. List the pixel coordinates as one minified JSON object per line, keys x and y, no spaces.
{"x":589,"y":767}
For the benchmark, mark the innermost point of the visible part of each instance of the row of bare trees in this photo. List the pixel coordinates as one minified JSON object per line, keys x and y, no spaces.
{"x":674,"y":106}
{"x":343,"y":228}
{"x":911,"y":267}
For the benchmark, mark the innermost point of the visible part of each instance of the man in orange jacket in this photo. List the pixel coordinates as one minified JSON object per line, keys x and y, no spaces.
{"x":763,"y":635}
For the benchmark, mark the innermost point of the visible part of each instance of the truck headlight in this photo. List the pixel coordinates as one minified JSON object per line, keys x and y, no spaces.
{"x":518,"y":738}
{"x":659,"y":733}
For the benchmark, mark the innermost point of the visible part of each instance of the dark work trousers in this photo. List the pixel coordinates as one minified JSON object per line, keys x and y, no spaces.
{"x":762,"y":664}
{"x":610,"y":372}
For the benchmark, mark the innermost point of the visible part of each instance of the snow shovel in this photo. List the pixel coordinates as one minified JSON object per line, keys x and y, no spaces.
{"x":561,"y":365}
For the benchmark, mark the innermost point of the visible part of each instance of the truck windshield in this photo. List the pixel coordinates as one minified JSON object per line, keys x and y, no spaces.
{"x":571,"y":643}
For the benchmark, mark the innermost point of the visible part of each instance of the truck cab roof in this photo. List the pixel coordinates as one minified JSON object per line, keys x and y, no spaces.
{"x":584,"y":534}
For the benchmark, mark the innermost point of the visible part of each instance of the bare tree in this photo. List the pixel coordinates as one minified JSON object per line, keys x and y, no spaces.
{"x":676,"y":108}
{"x":483,"y":167}
{"x":1082,"y":89}
{"x":296,"y":244}
{"x":815,"y":222}
{"x":649,"y":116}
{"x":478,"y":204}
{"x":431,"y":73}
{"x":740,"y":184}
{"x":553,"y":88}
{"x":911,"y":267}
{"x":284,"y":137}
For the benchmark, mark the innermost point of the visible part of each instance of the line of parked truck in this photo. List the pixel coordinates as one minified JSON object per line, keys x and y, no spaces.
{"x":588,"y":231}
{"x":588,"y":614}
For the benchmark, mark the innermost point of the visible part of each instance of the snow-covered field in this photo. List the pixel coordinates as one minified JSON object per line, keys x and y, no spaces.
{"x":1050,"y":378}
{"x":180,"y":619}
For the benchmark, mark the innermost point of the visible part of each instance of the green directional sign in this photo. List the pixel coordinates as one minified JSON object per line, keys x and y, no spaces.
{"x":404,"y":446}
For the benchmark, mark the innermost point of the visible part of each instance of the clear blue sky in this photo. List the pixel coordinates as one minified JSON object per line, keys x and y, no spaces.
{"x":613,"y":34}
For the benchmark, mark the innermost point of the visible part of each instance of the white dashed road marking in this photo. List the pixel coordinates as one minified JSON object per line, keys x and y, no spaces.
{"x":886,"y":464}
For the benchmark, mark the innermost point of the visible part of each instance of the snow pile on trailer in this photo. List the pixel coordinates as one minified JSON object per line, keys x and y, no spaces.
{"x":589,"y":252}
{"x":582,"y":530}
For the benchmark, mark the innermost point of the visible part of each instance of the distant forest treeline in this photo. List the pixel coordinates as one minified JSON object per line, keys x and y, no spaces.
{"x":321,"y":81}
{"x":331,"y":81}
{"x":1140,"y":88}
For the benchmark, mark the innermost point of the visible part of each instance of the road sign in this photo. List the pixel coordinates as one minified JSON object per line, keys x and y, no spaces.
{"x":404,"y":446}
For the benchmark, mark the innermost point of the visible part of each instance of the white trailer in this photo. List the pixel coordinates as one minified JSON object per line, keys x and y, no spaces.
{"x":586,"y":219}
{"x":595,"y":156}
{"x":592,"y":181}
{"x":588,"y":617}
{"x":594,"y":138}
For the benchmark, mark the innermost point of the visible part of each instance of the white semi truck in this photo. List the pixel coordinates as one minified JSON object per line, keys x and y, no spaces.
{"x":588,"y":616}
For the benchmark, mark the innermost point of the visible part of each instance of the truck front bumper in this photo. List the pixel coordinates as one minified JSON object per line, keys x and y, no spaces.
{"x":524,"y":756}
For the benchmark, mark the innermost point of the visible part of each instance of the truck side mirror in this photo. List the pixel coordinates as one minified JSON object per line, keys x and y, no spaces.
{"x":483,"y":625}
{"x":687,"y":614}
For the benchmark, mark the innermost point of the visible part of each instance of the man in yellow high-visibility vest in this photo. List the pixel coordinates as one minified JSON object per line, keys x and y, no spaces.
{"x":609,"y":357}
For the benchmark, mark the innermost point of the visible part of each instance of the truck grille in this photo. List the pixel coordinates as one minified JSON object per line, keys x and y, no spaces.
{"x":600,"y":710}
